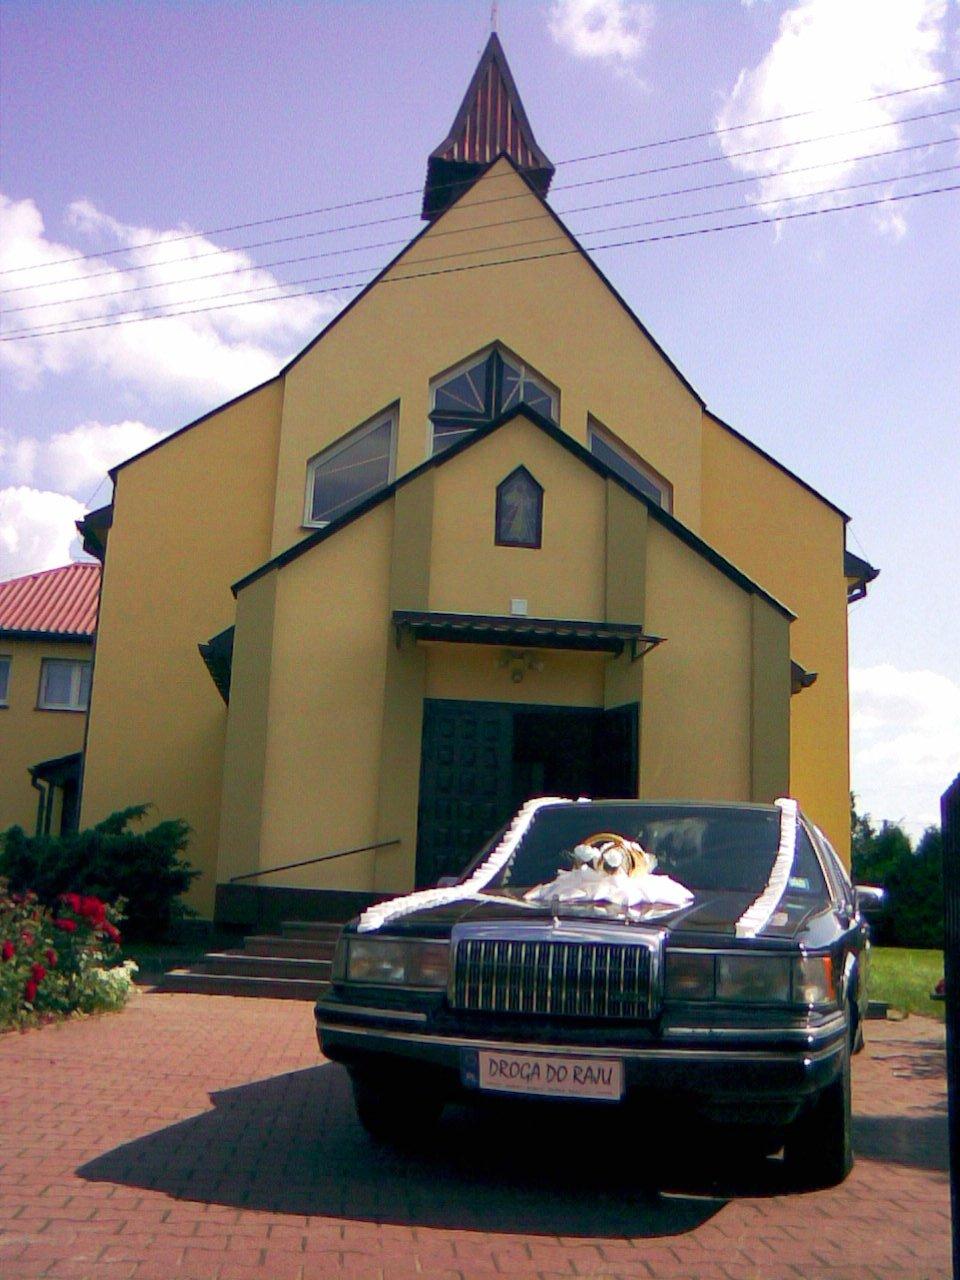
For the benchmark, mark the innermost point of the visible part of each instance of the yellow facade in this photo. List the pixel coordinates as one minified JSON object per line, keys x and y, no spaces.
{"x":29,"y":734}
{"x":320,"y":748}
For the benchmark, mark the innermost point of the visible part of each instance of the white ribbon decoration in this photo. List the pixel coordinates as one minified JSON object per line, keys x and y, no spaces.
{"x":379,"y":914}
{"x":758,"y":914}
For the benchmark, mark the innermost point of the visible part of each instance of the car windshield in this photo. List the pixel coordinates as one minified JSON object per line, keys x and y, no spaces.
{"x":712,"y":848}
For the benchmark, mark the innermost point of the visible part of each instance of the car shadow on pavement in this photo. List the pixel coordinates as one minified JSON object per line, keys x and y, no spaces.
{"x":292,"y":1144}
{"x":914,"y":1141}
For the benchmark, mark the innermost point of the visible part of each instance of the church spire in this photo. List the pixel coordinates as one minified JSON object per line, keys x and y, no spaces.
{"x":491,"y":121}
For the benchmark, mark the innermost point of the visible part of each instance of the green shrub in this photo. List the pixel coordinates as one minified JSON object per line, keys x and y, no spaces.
{"x":912,"y":914}
{"x":59,"y":960}
{"x":111,"y":862}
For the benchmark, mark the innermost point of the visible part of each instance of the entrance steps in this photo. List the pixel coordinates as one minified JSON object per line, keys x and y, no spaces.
{"x":294,"y":964}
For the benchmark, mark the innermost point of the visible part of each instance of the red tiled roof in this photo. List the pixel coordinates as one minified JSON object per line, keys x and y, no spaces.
{"x":61,"y":602}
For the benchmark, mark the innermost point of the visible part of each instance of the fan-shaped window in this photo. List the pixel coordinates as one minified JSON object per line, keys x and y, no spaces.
{"x":351,"y":470}
{"x":519,"y":510}
{"x":625,"y":463}
{"x":482,"y":389}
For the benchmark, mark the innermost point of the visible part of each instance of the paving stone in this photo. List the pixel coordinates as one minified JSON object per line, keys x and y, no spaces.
{"x":202,"y":1138}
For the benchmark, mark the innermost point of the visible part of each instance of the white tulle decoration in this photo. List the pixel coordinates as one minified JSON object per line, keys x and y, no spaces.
{"x":378,"y":915}
{"x":588,"y":884}
{"x":758,"y":914}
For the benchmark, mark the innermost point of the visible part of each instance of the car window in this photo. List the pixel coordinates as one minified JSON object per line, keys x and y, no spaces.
{"x":703,"y":847}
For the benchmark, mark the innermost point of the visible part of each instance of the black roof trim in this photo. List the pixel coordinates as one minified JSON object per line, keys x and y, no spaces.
{"x":91,"y":526}
{"x":158,"y":444}
{"x":779,"y":465}
{"x":57,"y":770}
{"x":566,"y":442}
{"x":859,"y":574}
{"x":55,"y":637}
{"x":217,"y":655}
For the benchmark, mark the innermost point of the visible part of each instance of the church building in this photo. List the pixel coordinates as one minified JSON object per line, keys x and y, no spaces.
{"x":480,"y":540}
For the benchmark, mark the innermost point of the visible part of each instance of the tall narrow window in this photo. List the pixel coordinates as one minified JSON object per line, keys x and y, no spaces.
{"x":64,"y":685}
{"x":625,"y":463}
{"x":4,"y":679}
{"x":350,"y":470}
{"x":482,"y":389}
{"x":519,"y":510}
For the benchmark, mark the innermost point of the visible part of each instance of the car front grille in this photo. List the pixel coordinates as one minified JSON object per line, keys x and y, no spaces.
{"x":568,"y":979}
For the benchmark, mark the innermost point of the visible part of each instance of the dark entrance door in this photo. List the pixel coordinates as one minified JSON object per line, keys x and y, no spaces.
{"x":482,"y":760}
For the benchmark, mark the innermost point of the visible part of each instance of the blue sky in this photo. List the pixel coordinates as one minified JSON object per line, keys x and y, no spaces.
{"x":832,"y":341}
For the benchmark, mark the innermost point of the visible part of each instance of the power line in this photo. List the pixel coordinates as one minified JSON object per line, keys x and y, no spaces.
{"x":570,"y":186}
{"x":276,"y":286}
{"x":138,"y":317}
{"x":457,"y":231}
{"x":411,"y":191}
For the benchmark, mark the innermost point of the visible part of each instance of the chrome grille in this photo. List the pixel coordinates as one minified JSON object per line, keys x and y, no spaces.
{"x":560,"y":978}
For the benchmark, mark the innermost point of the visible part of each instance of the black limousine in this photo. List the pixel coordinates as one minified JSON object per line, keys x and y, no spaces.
{"x":710,"y":955}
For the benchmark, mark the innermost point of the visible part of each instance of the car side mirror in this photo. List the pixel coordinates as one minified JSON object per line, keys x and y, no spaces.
{"x":870,"y":899}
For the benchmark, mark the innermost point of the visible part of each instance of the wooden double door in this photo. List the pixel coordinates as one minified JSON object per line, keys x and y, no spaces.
{"x":481,"y":760}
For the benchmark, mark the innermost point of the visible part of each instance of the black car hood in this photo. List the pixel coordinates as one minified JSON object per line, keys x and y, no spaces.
{"x":711,"y":914}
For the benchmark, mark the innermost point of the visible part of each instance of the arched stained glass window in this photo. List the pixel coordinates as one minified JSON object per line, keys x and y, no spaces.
{"x":481,"y":390}
{"x":519,"y":510}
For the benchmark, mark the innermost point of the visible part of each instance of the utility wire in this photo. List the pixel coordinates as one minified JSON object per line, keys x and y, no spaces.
{"x":589,"y":182}
{"x":484,"y":226}
{"x":597,"y":155}
{"x":138,"y":317}
{"x":280,"y":286}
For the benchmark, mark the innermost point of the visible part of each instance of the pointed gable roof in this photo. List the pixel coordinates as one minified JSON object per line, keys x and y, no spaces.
{"x":491,"y":122}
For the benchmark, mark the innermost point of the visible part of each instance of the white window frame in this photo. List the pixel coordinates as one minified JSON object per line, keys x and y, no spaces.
{"x":632,"y":459}
{"x":391,"y":415}
{"x":6,"y":666}
{"x":526,"y":371}
{"x":79,"y":665}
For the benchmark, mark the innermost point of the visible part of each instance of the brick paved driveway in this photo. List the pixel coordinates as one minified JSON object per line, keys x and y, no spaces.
{"x":198,"y":1138}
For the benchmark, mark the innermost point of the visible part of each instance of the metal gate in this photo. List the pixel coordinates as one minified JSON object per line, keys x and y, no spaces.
{"x":950,"y":814}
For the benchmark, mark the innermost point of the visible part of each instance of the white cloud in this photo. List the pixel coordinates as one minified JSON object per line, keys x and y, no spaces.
{"x":612,"y":30}
{"x":36,"y":530}
{"x":213,"y":355}
{"x":75,"y":460}
{"x":832,"y":54}
{"x":905,"y":742}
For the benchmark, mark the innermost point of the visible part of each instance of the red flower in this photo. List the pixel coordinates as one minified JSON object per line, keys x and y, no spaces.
{"x":38,"y":972}
{"x":51,"y":956}
{"x":27,"y":936}
{"x":94,"y":910}
{"x":73,"y":901}
{"x":8,"y":951}
{"x":30,"y":991}
{"x":68,"y":926}
{"x":112,"y":932}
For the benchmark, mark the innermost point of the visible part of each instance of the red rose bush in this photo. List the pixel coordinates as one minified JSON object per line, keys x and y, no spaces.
{"x":54,"y":962}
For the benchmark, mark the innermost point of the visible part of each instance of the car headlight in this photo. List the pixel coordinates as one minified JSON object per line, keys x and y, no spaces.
{"x":388,"y":962}
{"x":750,"y":979}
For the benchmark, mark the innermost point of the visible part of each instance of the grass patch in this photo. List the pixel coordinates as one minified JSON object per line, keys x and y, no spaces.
{"x":904,"y":977}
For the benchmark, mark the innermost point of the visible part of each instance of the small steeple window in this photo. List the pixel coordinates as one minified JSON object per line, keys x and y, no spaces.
{"x":352,"y":469}
{"x":481,"y":390}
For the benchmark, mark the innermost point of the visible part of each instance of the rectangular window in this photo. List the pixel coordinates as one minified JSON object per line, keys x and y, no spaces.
{"x":4,"y":680}
{"x":624,"y":462}
{"x":64,"y":685}
{"x":350,"y":470}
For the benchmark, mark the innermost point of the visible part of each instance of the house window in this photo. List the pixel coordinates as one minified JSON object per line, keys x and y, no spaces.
{"x":64,"y":685}
{"x":351,"y":470}
{"x":4,"y":680}
{"x":480,"y":390}
{"x":625,"y":463}
{"x":519,"y":510}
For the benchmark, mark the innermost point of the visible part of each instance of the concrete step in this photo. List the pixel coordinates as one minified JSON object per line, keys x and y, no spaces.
{"x":216,"y":984}
{"x":294,"y":948}
{"x":319,"y":930}
{"x":239,"y":964}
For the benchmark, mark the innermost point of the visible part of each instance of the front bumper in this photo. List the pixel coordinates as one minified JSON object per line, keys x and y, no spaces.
{"x":739,"y":1074}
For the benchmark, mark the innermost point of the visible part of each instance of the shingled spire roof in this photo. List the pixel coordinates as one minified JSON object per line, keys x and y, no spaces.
{"x":491,"y":121}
